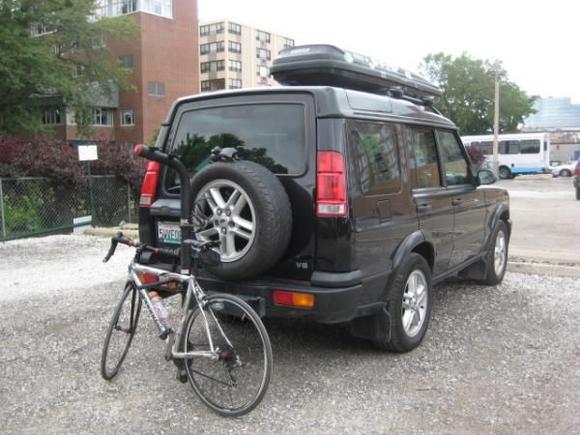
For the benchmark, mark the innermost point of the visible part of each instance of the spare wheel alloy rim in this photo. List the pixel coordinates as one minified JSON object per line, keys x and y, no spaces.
{"x":232,"y":218}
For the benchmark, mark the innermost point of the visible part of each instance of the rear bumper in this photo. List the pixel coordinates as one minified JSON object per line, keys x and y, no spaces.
{"x":336,"y":304}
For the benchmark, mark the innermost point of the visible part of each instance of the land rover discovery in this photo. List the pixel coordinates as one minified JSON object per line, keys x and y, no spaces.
{"x":351,"y":198}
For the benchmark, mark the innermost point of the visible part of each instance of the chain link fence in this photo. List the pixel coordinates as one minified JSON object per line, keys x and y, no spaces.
{"x":34,"y":206}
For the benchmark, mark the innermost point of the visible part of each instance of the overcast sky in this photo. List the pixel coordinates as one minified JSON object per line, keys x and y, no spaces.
{"x":537,"y":41}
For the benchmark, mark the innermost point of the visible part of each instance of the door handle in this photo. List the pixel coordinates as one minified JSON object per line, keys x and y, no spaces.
{"x":457,"y":201}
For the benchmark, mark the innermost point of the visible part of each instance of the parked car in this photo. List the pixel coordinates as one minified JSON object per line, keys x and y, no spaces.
{"x":349,"y":202}
{"x":577,"y":179}
{"x":564,"y":170}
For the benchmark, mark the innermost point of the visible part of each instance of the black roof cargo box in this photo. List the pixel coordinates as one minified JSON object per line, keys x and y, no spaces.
{"x":327,"y":65}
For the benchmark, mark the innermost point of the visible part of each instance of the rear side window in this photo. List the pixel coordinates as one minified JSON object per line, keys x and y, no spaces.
{"x":456,"y":167}
{"x":272,"y":135}
{"x":423,"y":162}
{"x":375,"y":157}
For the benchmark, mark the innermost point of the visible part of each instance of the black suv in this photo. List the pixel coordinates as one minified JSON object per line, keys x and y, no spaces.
{"x":352,"y":197}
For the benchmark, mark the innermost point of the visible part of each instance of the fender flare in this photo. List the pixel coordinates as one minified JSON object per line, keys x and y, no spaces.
{"x":406,"y":247}
{"x":494,"y":219}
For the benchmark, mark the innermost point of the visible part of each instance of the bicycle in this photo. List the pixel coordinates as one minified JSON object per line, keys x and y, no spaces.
{"x":219,"y":336}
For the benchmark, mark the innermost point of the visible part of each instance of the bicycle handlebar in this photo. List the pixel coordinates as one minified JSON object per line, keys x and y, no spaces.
{"x":169,"y":252}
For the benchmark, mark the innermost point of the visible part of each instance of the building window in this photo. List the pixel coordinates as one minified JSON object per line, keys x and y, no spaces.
{"x":213,"y":85}
{"x":235,"y":84}
{"x":263,"y":71}
{"x":127,"y":118}
{"x":126,"y":61}
{"x":262,"y":36}
{"x":52,"y":116}
{"x":288,"y":43}
{"x":263,"y":53}
{"x":211,"y":28}
{"x":113,"y":8}
{"x":235,"y":65}
{"x":157,"y":89}
{"x":39,"y":29}
{"x":235,"y":47}
{"x":78,"y":70}
{"x":211,"y":47}
{"x":215,"y":65}
{"x":234,"y":28}
{"x":103,"y":117}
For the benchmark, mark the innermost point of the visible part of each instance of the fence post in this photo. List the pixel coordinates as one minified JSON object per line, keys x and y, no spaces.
{"x":128,"y":202}
{"x":3,"y":224}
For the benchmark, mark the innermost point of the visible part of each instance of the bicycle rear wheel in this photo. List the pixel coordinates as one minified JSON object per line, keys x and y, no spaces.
{"x":121,"y":331}
{"x":237,"y":382}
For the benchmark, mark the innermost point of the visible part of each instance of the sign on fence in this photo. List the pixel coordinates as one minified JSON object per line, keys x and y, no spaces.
{"x":87,"y":153}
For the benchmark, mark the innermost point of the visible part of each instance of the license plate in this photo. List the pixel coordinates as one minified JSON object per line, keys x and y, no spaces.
{"x":168,"y":232}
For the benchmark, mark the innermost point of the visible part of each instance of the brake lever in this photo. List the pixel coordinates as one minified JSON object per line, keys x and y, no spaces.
{"x":114,"y":243}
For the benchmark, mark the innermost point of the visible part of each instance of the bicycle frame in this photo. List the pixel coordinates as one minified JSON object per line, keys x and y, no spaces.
{"x":192,"y":292}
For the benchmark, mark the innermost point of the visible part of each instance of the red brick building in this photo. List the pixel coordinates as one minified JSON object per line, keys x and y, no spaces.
{"x":163,"y":57}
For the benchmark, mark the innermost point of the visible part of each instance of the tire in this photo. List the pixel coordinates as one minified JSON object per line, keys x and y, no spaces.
{"x":246,"y":207}
{"x":405,"y":338}
{"x":505,"y":173}
{"x":124,"y":321}
{"x":565,"y":173}
{"x":496,"y":269}
{"x":578,"y":193}
{"x":250,"y":346}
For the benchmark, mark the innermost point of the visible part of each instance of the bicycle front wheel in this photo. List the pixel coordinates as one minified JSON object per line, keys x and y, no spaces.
{"x":121,"y":331}
{"x":237,"y":381}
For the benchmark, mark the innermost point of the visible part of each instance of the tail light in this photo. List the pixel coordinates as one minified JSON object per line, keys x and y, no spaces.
{"x":293,"y":299}
{"x":331,"y":185}
{"x":149,"y":186}
{"x":577,"y":170}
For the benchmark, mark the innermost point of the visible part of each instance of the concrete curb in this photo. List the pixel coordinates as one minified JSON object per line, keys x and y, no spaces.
{"x":550,"y":269}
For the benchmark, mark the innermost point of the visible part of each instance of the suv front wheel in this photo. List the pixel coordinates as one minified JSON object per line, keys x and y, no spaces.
{"x":409,"y":305}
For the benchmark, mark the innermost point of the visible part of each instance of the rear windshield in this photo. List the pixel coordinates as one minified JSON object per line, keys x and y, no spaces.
{"x":272,"y":135}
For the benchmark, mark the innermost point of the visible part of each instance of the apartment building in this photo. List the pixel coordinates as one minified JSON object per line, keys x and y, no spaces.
{"x":163,"y":57}
{"x":232,"y":56}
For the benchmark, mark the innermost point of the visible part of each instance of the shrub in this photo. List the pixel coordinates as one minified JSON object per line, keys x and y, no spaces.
{"x":58,"y":161}
{"x":476,"y":155}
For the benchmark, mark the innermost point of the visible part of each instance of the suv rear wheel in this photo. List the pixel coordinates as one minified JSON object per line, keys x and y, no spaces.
{"x":409,"y":305}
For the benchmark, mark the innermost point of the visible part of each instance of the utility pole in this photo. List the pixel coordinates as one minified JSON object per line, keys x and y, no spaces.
{"x":496,"y":123}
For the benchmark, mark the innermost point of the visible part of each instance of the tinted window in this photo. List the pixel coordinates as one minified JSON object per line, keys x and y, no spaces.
{"x":272,"y":135}
{"x":375,"y":157}
{"x":529,"y":146}
{"x":423,"y":157}
{"x":456,"y":167}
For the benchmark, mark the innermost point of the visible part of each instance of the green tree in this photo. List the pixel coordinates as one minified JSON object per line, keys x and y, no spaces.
{"x":468,"y":93}
{"x":68,"y":64}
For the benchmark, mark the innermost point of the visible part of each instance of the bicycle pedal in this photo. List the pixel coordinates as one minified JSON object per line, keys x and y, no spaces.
{"x":181,"y":376}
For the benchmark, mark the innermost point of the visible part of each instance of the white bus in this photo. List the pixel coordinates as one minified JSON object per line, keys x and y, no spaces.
{"x":518,"y":154}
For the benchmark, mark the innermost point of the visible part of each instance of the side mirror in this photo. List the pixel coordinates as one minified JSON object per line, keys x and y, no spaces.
{"x":485,"y":176}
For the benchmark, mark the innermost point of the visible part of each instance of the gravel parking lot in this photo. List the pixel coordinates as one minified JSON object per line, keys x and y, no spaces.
{"x":502,"y":360}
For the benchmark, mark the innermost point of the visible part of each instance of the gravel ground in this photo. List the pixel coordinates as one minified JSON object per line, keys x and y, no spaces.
{"x":504,"y":360}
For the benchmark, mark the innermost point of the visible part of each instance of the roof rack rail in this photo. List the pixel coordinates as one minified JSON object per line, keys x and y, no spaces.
{"x":327,"y":65}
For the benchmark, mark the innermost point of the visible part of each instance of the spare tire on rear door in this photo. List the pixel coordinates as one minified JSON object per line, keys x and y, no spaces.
{"x":245,"y":207}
